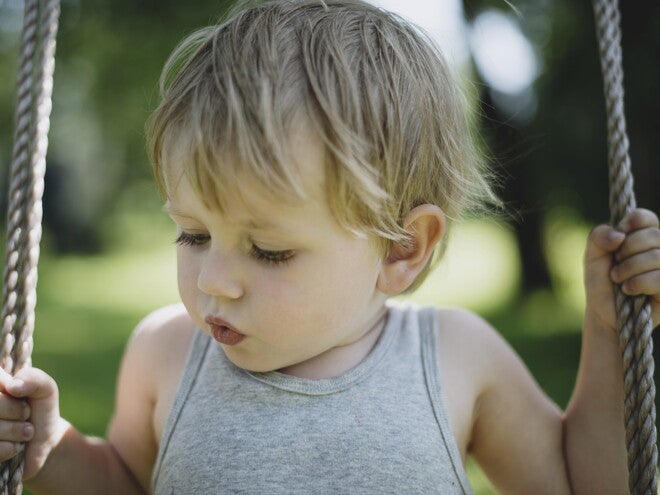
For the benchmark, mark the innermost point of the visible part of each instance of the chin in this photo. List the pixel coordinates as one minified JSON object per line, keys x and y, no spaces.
{"x":248,"y":362}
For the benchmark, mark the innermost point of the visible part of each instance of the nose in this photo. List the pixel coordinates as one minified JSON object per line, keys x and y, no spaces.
{"x":218,"y":276}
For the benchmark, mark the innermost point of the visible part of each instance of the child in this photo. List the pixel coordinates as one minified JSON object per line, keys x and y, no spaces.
{"x":313,"y":157}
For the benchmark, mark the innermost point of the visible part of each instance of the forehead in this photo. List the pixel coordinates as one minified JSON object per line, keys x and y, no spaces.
{"x":231,"y":184}
{"x":221,"y":175}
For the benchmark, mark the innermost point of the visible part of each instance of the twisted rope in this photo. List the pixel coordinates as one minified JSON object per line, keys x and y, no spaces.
{"x":35,"y":84}
{"x":634,"y":313}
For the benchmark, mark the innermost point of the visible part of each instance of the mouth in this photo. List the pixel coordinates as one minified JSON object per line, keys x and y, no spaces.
{"x":223,"y":332}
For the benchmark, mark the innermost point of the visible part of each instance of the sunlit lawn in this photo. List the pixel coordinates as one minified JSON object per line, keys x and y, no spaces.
{"x":89,"y":305}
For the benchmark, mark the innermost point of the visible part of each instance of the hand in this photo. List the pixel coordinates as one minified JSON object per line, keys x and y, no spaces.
{"x":29,"y":412}
{"x":628,"y":255}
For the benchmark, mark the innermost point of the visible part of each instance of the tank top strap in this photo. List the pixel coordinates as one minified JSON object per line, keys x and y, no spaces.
{"x":428,"y":328}
{"x":196,"y":356}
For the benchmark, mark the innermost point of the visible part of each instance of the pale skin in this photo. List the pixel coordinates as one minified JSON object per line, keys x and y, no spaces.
{"x":255,"y":262}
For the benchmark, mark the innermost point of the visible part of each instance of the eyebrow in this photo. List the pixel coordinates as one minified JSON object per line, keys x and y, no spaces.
{"x":171,"y":210}
{"x":251,"y":223}
{"x":174,"y":212}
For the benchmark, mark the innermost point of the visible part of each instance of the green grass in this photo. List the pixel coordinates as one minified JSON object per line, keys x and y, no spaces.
{"x":81,"y":349}
{"x":88,"y":306}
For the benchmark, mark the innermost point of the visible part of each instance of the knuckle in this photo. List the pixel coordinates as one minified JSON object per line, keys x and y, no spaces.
{"x":599,"y":230}
{"x":655,"y":237}
{"x":650,"y":236}
{"x":44,"y":380}
{"x":654,"y":254}
{"x":647,"y":217}
{"x":647,"y":213}
{"x":637,"y":219}
{"x":594,"y":233}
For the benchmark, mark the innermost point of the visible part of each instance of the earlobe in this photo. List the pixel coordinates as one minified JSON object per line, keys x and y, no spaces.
{"x":426,"y":226}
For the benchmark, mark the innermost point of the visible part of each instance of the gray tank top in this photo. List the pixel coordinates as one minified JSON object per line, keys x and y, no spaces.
{"x":380,"y":428}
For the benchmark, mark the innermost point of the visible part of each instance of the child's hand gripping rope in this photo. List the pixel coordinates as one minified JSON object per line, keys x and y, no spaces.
{"x":628,"y":255}
{"x":29,"y":413}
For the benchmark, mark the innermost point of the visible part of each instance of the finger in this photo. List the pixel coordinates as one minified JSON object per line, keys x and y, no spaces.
{"x":602,"y":241}
{"x":12,"y":408}
{"x":645,"y":284}
{"x":639,"y":218}
{"x":8,"y":450}
{"x":639,"y":241}
{"x":640,"y":263}
{"x":16,"y":431}
{"x":33,"y":383}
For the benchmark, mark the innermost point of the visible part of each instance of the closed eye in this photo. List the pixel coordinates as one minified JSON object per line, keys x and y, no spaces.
{"x":272,"y":257}
{"x":186,"y":239}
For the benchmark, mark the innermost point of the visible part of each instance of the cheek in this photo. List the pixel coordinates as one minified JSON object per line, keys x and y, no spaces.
{"x":187,"y":275}
{"x":320,"y":294}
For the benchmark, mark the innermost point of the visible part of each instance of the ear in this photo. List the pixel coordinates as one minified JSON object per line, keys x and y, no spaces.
{"x":426,"y":226}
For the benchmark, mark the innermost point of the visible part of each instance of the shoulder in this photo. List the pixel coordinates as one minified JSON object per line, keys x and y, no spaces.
{"x":469,"y":341}
{"x":159,"y":345}
{"x":471,"y":355}
{"x":149,"y":375}
{"x":469,"y":345}
{"x":463,"y":333}
{"x":168,"y":321}
{"x":164,"y":329}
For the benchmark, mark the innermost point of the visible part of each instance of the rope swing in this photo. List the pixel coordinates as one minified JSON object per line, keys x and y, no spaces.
{"x":633,"y":312}
{"x":26,"y":186}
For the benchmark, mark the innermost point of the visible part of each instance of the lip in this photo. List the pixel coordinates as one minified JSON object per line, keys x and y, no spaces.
{"x":223,"y":331}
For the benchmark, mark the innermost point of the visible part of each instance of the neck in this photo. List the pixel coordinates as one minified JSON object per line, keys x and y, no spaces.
{"x":338,"y":360}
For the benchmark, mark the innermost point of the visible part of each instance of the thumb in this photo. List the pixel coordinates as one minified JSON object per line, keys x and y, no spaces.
{"x":33,"y":383}
{"x":10,"y":384}
{"x":602,"y":241}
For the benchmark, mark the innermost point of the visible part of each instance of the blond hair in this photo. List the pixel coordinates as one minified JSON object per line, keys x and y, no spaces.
{"x":374,"y":88}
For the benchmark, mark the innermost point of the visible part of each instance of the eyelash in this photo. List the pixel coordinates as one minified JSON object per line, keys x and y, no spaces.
{"x":262,"y":255}
{"x":271,"y":257}
{"x":185,"y":239}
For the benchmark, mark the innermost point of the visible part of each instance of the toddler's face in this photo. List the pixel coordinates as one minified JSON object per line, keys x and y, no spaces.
{"x":275,"y":284}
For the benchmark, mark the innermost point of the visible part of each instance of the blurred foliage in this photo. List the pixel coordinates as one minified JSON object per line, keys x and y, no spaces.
{"x":557,"y":158}
{"x":109,"y":57}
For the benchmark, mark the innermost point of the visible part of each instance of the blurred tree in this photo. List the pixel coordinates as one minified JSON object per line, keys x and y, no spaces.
{"x":558,"y":156}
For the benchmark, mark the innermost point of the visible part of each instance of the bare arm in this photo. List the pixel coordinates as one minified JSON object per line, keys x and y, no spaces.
{"x":595,"y":434}
{"x":594,"y":424}
{"x":520,"y":438}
